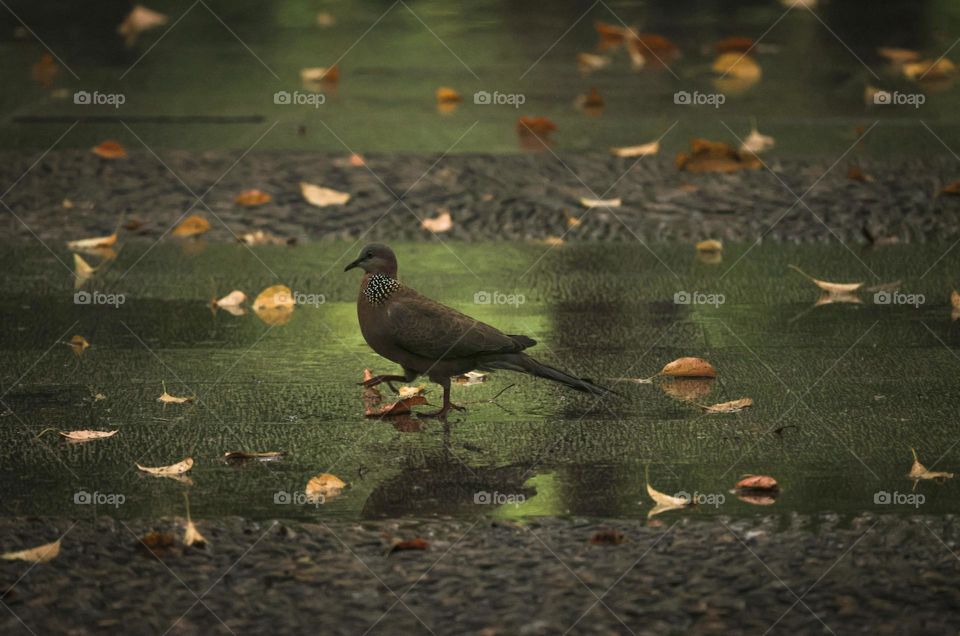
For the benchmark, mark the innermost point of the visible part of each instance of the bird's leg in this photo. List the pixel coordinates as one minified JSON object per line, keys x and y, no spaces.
{"x":379,"y":379}
{"x":447,"y":404}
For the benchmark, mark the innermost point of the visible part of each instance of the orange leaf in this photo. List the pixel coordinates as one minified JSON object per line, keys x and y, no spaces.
{"x":734,"y":44}
{"x":689,"y":368}
{"x":396,"y":408}
{"x":410,"y":544}
{"x":191,"y":226}
{"x":757,"y":482}
{"x":447,"y":95}
{"x":110,"y":150}
{"x":539,"y":126}
{"x":252,"y":198}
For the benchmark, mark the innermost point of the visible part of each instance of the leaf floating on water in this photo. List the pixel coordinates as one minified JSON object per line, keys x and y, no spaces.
{"x":92,"y":243}
{"x":537,"y":126}
{"x":737,"y":65}
{"x":447,"y":95}
{"x":192,"y":226}
{"x":687,"y":389}
{"x":252,"y":198}
{"x":607,"y":536}
{"x":109,"y":150}
{"x":265,"y":456}
{"x":588,"y":62}
{"x":601,"y":203}
{"x":665,"y":502}
{"x":233,"y":300}
{"x":689,"y":368}
{"x":87,"y":435}
{"x":39,"y":554}
{"x":316,"y":74}
{"x":140,"y":19}
{"x":470,"y":378}
{"x":324,"y":486}
{"x":757,"y":482}
{"x":440,"y":223}
{"x":709,"y":245}
{"x":396,"y":408}
{"x":918,"y":471}
{"x":642,"y":150}
{"x":173,"y":469}
{"x":755,"y":143}
{"x":898,"y":56}
{"x":930,"y":70}
{"x":82,"y":271}
{"x":78,"y":344}
{"x":166,"y":398}
{"x":322,"y":197}
{"x":833,"y":288}
{"x":734,"y":406}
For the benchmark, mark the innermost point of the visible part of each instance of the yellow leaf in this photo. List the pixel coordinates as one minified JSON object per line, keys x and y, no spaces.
{"x":322,"y":197}
{"x":709,"y":245}
{"x":756,"y":142}
{"x":192,"y":226}
{"x":324,"y":486}
{"x":39,"y":554}
{"x":447,"y":95}
{"x":173,"y":469}
{"x":252,"y":198}
{"x":82,"y":271}
{"x":441,"y":223}
{"x":833,"y":288}
{"x":919,"y":471}
{"x":734,"y":406}
{"x":87,"y":435}
{"x":600,"y":203}
{"x":273,"y":297}
{"x":642,"y":150}
{"x":409,"y":391}
{"x":78,"y":344}
{"x":738,"y":66}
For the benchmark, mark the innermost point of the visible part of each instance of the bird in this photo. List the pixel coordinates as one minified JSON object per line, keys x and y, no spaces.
{"x":428,"y":338}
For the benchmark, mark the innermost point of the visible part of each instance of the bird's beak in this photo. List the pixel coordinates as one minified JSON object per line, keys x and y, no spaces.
{"x":355,"y":263}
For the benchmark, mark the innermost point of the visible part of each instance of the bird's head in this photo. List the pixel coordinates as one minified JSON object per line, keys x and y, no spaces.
{"x":376,"y":258}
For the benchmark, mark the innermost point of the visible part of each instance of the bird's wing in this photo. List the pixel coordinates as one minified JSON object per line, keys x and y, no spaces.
{"x":430,"y":330}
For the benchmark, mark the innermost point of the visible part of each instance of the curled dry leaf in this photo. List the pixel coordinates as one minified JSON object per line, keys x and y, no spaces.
{"x":918,"y":471}
{"x":738,"y":66}
{"x":87,"y":435}
{"x":689,"y":368}
{"x":898,"y":56}
{"x":92,"y":243}
{"x":173,"y":469}
{"x":665,"y":502}
{"x":601,"y":203}
{"x":322,"y":197}
{"x":109,"y":150}
{"x":443,"y":222}
{"x":447,"y":95}
{"x":587,"y":62}
{"x":233,"y":299}
{"x":399,"y":407}
{"x":265,"y":456}
{"x":329,"y":75}
{"x":470,"y":377}
{"x":709,"y":245}
{"x":140,"y":19}
{"x":642,"y":150}
{"x":252,"y":198}
{"x":715,"y":156}
{"x":930,"y":70}
{"x":734,"y":406}
{"x":537,"y":126}
{"x":324,"y":486}
{"x":166,"y":398}
{"x":409,"y":544}
{"x":78,"y":344}
{"x":192,"y":226}
{"x":39,"y":554}
{"x":832,"y":288}
{"x":82,"y":271}
{"x":757,"y":482}
{"x":410,"y":391}
{"x":756,"y":142}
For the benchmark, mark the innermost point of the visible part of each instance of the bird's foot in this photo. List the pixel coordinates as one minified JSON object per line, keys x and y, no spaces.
{"x":380,"y":379}
{"x":442,"y":413}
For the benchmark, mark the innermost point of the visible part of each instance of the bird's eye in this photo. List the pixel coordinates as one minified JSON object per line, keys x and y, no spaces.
{"x":369,"y":254}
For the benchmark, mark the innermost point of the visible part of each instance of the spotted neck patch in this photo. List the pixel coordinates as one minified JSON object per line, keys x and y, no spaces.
{"x":379,"y":287}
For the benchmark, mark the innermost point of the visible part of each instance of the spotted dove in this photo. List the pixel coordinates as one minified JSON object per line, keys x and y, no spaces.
{"x":427,"y":338}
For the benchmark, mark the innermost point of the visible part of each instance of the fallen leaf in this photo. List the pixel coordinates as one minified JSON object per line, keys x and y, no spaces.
{"x":470,"y":377}
{"x":715,"y":156}
{"x":536,"y":126}
{"x":737,"y":65}
{"x":709,"y":245}
{"x":600,"y":203}
{"x":553,"y":241}
{"x":951,"y":188}
{"x":955,"y":299}
{"x":611,"y":35}
{"x":39,"y":554}
{"x":274,"y":305}
{"x":410,"y":544}
{"x":757,"y":482}
{"x":92,"y":243}
{"x":78,"y":344}
{"x":665,"y":502}
{"x":653,"y":48}
{"x":409,"y":391}
{"x":109,"y":150}
{"x":87,"y":435}
{"x":396,"y":408}
{"x":233,"y":299}
{"x":192,"y":536}
{"x":192,"y":226}
{"x":687,"y":389}
{"x":173,"y":469}
{"x":854,"y":173}
{"x":324,"y":74}
{"x":588,"y":62}
{"x":756,"y":142}
{"x":252,"y":198}
{"x":929,"y":70}
{"x":734,"y":406}
{"x":447,"y":95}
{"x":265,"y":456}
{"x":260,"y":237}
{"x":322,"y":197}
{"x":45,"y":71}
{"x":82,"y":271}
{"x":919,"y":471}
{"x":832,"y":288}
{"x":734,"y":44}
{"x":325,"y":19}
{"x":159,"y":544}
{"x":607,"y":536}
{"x":440,"y":223}
{"x":166,"y":398}
{"x":324,"y":486}
{"x":592,"y":101}
{"x":898,"y":56}
{"x":140,"y":19}
{"x":642,"y":150}
{"x":689,"y":368}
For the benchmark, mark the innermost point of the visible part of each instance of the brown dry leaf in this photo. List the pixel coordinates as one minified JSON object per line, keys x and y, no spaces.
{"x":396,"y":408}
{"x":591,"y":101}
{"x":92,"y":243}
{"x":252,"y":198}
{"x":734,"y":406}
{"x":738,"y":66}
{"x":756,"y":142}
{"x":159,"y":544}
{"x":898,"y":56}
{"x":607,"y":536}
{"x":537,"y":126}
{"x":653,"y":48}
{"x":470,"y":378}
{"x":82,"y":271}
{"x":918,"y":471}
{"x":109,"y":150}
{"x":173,"y":469}
{"x":709,"y":245}
{"x":440,"y":223}
{"x":322,"y":197}
{"x":192,"y":226}
{"x":689,"y":368}
{"x":929,"y":70}
{"x":264,"y":456}
{"x":78,"y":344}
{"x":166,"y":398}
{"x":734,"y":44}
{"x":642,"y":150}
{"x":316,"y":74}
{"x":39,"y":554}
{"x":588,"y":62}
{"x":447,"y":95}
{"x":45,"y":70}
{"x":601,"y":203}
{"x":409,"y":391}
{"x":324,"y":486}
{"x":757,"y":482}
{"x":409,"y":544}
{"x":840,"y":289}
{"x":951,"y":188}
{"x":611,"y":35}
{"x":140,"y":19}
{"x":87,"y":435}
{"x":715,"y":156}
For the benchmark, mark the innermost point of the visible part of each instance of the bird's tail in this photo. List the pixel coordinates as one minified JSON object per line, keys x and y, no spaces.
{"x":523,"y":363}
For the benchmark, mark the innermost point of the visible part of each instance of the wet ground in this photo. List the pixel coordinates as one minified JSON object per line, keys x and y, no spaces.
{"x":842,"y":391}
